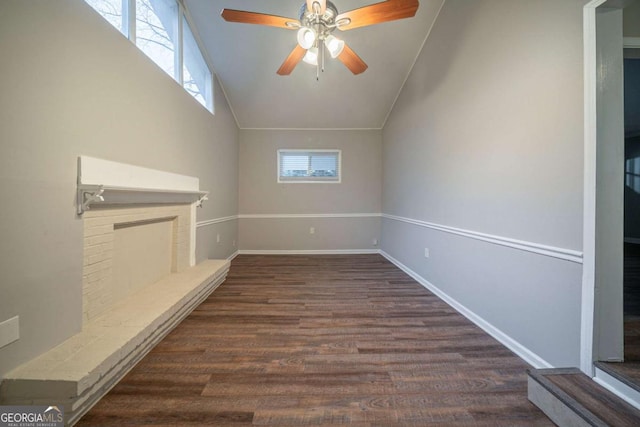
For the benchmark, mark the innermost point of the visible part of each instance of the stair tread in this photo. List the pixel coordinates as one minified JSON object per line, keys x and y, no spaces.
{"x":600,"y":403}
{"x":627,"y":372}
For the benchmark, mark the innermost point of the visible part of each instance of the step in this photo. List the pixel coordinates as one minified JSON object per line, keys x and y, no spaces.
{"x":623,"y":378}
{"x":571,"y":398}
{"x":78,"y":372}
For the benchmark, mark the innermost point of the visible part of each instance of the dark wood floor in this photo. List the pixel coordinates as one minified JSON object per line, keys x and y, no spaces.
{"x":323,"y":340}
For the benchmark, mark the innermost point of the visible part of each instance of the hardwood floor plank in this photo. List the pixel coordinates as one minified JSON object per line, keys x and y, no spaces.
{"x":322,"y":340}
{"x":587,"y":393}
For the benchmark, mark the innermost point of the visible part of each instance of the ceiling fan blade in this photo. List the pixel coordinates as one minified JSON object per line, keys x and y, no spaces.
{"x":352,"y":61}
{"x":292,"y":60}
{"x":244,"y":17}
{"x":323,"y":5}
{"x":385,"y":11}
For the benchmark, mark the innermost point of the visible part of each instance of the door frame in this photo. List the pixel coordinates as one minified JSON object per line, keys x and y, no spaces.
{"x":593,"y":321}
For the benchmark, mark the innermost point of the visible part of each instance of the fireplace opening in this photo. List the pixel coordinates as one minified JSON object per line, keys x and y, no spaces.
{"x":143,"y":253}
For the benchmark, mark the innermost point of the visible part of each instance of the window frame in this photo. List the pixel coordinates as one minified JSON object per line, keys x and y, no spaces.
{"x":309,"y":179}
{"x":184,"y":16}
{"x":185,"y":21}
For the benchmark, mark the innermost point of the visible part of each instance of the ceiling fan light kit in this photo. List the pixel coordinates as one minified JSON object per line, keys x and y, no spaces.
{"x":311,"y":57}
{"x":317,"y":20}
{"x":306,"y":37}
{"x":335,"y":46}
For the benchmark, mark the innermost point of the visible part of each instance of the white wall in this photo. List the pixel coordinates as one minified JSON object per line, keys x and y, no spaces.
{"x":261,"y":194}
{"x":72,"y":85}
{"x":487,"y":137}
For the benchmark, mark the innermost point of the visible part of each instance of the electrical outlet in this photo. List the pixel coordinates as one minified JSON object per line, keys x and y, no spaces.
{"x":312,"y":230}
{"x":234,"y":243}
{"x":375,"y":242}
{"x":9,"y":331}
{"x":218,"y":238}
{"x":426,"y":252}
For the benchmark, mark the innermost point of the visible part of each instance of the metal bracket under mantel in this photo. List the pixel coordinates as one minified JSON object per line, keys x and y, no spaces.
{"x":88,"y":195}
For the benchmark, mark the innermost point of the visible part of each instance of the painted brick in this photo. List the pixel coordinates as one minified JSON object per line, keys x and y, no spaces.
{"x":97,"y":240}
{"x":98,"y":248}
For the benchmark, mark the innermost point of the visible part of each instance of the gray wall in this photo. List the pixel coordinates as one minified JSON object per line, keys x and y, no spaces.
{"x":631,"y":17}
{"x":609,"y":230}
{"x":73,"y":85}
{"x":487,"y":136}
{"x":260,"y":194}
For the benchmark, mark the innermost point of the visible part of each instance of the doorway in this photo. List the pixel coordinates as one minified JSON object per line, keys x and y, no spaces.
{"x":608,"y":29}
{"x":632,"y":205}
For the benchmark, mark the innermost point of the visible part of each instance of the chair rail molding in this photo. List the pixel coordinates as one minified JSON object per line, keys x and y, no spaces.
{"x":313,"y":215}
{"x":220,"y":220}
{"x":537,"y":248}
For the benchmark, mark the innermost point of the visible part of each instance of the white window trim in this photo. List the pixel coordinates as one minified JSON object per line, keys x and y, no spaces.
{"x":309,"y":181}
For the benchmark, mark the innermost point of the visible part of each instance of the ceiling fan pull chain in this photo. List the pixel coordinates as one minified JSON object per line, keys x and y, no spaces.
{"x":322,"y":49}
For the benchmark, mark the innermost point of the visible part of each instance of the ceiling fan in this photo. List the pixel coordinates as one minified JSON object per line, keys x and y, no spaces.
{"x":317,"y":20}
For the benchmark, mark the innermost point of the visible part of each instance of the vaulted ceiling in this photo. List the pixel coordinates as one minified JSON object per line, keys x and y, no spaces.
{"x":245,"y":58}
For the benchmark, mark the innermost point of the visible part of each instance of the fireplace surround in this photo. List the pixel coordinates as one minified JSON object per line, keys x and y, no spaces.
{"x":139,"y":281}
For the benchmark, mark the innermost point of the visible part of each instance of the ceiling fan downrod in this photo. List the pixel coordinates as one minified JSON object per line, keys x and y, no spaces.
{"x":316,"y":25}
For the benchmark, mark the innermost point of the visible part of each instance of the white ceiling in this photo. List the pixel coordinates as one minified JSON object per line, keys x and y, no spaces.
{"x":246,"y":57}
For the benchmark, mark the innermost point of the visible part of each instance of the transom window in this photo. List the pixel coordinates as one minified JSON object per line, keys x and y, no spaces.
{"x":161,"y":30}
{"x":309,"y":166}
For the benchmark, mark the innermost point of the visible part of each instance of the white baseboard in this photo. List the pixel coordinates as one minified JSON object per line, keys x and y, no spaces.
{"x":513,"y":345}
{"x":308,"y":252}
{"x":233,"y":255}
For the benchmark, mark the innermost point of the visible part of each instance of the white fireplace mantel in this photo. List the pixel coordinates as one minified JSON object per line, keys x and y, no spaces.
{"x":106,"y":182}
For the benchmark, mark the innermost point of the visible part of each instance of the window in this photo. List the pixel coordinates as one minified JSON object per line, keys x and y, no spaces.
{"x":195,"y":73}
{"x":157,"y":32}
{"x":632,"y":174}
{"x":160,"y":29}
{"x":114,"y":11}
{"x":310,"y":166}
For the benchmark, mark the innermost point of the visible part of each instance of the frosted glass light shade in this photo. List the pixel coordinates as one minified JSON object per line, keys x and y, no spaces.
{"x":311,"y":57}
{"x":334,"y":46}
{"x":306,"y":37}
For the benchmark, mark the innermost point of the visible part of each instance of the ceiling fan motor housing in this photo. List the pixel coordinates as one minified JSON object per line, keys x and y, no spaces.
{"x":323,"y":24}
